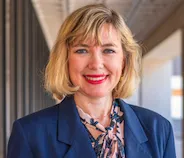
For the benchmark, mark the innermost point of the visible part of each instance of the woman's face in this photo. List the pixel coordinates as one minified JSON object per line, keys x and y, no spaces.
{"x":97,"y":69}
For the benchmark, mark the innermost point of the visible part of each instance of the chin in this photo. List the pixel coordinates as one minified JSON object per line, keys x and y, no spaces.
{"x":98,"y":95}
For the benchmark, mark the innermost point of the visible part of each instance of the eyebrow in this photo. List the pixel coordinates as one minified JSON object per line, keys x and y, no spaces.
{"x":103,"y":45}
{"x":81,"y":45}
{"x":109,"y":45}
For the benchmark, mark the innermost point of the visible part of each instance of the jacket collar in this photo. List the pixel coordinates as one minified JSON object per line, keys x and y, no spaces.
{"x":72,"y":132}
{"x":132,"y":122}
{"x":135,"y":137}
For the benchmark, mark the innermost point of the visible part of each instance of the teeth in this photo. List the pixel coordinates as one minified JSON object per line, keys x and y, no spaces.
{"x":95,"y":78}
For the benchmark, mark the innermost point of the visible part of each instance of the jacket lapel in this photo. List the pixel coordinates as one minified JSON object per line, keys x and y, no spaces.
{"x":72,"y":132}
{"x":135,"y":137}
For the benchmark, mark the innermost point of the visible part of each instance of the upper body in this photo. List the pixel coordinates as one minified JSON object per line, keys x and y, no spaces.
{"x":96,"y":61}
{"x":58,"y":132}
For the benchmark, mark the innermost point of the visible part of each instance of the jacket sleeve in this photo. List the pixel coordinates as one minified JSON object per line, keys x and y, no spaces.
{"x":170,"y":146}
{"x":18,"y":146}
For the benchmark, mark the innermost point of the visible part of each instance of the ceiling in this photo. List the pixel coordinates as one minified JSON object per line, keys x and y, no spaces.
{"x":142,"y":16}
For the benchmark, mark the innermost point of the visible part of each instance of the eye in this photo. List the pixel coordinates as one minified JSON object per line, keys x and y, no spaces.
{"x":108,"y":51}
{"x":81,"y":51}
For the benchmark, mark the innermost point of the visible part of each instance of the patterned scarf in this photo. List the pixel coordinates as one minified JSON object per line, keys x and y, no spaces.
{"x":110,"y":143}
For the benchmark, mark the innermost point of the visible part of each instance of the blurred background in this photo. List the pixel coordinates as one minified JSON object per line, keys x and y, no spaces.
{"x":28,"y":29}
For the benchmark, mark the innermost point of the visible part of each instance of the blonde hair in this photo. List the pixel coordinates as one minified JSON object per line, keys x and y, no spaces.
{"x":85,"y":23}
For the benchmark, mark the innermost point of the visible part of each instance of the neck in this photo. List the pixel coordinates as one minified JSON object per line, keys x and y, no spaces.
{"x":96,"y":107}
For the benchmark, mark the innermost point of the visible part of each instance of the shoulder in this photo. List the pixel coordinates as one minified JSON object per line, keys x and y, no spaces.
{"x":37,"y":134}
{"x":157,"y":129}
{"x":150,"y":118}
{"x":142,"y":113}
{"x":151,"y":122}
{"x":34,"y":128}
{"x":42,"y":117}
{"x":148,"y":124}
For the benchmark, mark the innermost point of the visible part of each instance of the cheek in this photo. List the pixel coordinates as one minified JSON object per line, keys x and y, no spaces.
{"x":72,"y":71}
{"x":122,"y":62}
{"x":118,"y":64}
{"x":71,"y":66}
{"x":75,"y":66}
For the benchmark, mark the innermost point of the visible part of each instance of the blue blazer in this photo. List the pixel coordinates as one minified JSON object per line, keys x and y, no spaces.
{"x":57,"y":132}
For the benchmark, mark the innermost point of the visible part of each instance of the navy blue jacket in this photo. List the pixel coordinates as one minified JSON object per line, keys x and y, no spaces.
{"x":57,"y":132}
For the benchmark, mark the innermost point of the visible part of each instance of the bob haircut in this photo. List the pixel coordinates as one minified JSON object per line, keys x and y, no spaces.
{"x":82,"y":24}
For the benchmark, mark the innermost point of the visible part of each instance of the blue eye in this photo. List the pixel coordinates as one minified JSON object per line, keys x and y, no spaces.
{"x":81,"y":51}
{"x":108,"y":51}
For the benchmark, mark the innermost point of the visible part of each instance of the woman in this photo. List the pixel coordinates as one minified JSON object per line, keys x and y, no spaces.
{"x":93,"y":64}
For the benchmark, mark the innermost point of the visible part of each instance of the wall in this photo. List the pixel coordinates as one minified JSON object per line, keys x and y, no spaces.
{"x":157,"y":72}
{"x":156,"y":87}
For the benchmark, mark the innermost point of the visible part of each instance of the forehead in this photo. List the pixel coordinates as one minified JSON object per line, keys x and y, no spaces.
{"x":106,"y":34}
{"x":109,"y":33}
{"x":108,"y":30}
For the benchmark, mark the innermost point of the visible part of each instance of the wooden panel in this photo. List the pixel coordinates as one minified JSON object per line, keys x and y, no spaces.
{"x":22,"y":45}
{"x":27,"y":33}
{"x":183,"y":88}
{"x":20,"y":58}
{"x":2,"y":80}
{"x":11,"y":60}
{"x":33,"y":65}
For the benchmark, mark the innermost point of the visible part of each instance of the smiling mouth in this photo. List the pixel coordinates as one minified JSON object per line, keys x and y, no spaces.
{"x":95,"y":79}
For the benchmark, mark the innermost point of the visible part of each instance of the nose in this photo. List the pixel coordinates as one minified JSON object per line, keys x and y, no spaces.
{"x":96,"y":61}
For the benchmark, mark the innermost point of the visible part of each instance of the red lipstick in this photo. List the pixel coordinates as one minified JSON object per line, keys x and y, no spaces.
{"x":95,"y":78}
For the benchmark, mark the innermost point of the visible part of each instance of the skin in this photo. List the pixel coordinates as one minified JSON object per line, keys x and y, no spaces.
{"x":106,"y":60}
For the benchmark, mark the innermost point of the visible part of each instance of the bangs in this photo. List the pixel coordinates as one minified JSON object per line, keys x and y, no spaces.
{"x":87,"y":34}
{"x":87,"y":25}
